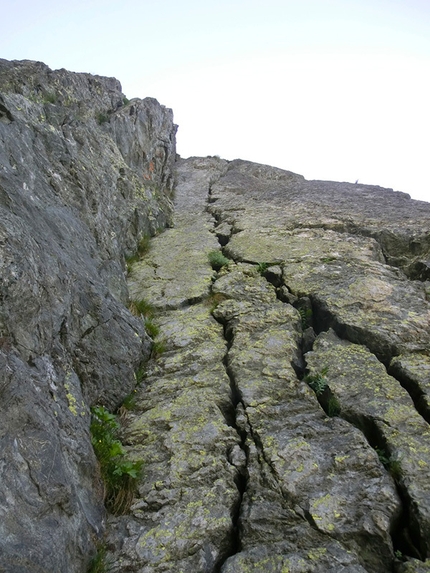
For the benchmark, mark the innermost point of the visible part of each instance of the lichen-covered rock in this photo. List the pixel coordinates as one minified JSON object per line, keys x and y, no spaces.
{"x":282,"y":418}
{"x":376,"y":403}
{"x":84,"y":175}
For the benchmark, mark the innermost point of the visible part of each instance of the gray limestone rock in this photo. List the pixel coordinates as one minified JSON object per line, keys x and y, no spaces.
{"x":84,"y":175}
{"x":282,"y":410}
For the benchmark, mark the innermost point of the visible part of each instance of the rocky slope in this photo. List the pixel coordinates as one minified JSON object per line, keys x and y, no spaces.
{"x":285,"y":427}
{"x":84,"y":176}
{"x":283,"y":417}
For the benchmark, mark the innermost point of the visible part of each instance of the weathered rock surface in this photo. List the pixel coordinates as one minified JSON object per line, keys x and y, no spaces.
{"x":84,"y":175}
{"x":245,"y":469}
{"x":283,"y":416}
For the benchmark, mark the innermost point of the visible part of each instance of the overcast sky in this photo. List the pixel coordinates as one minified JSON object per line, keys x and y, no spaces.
{"x":330,"y":89}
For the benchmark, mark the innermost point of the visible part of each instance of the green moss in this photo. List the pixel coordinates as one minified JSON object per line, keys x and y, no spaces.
{"x":217,"y":260}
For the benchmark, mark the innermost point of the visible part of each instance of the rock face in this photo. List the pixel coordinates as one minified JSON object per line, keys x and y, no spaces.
{"x":84,"y":176}
{"x":285,"y":426}
{"x":283,"y":416}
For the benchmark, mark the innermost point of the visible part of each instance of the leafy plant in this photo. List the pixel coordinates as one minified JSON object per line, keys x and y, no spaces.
{"x":318,"y":381}
{"x":390,"y":464}
{"x":140,"y":375}
{"x":119,"y":474}
{"x":305,"y":316}
{"x":217,"y":260}
{"x":129,"y":402}
{"x":333,"y":407}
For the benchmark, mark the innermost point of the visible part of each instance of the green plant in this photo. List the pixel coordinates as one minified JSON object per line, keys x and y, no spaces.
{"x":158,"y":348}
{"x":318,"y":381}
{"x":140,"y":375}
{"x":99,"y":563}
{"x":142,"y":308}
{"x":119,"y":474}
{"x":333,"y":407}
{"x":305,"y":316}
{"x":383,"y":457}
{"x":49,"y":97}
{"x":144,"y":244}
{"x":390,"y":464}
{"x":217,"y":260}
{"x":262,"y":267}
{"x":151,"y":328}
{"x":102,"y":117}
{"x":129,"y":401}
{"x":125,"y":100}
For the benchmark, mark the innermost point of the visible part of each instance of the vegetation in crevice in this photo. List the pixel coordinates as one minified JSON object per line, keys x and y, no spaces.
{"x":318,"y":382}
{"x":100,"y":563}
{"x":120,"y":474}
{"x":142,"y":249}
{"x":217,"y":260}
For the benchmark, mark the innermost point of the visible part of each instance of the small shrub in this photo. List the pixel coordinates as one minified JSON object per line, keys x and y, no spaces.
{"x":217,"y":260}
{"x":125,"y":100}
{"x":119,"y":474}
{"x":318,"y":382}
{"x":262,"y":267}
{"x":390,"y":464}
{"x":129,"y":401}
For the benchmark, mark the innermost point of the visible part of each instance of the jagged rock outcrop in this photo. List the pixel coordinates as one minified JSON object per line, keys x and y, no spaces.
{"x":283,"y":416}
{"x":84,"y":176}
{"x":285,"y":426}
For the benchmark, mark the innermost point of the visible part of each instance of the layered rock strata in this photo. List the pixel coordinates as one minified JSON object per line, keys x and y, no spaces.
{"x":84,"y":176}
{"x":284,"y":426}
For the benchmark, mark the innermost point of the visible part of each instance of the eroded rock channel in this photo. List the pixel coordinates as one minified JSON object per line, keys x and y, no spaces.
{"x":284,"y":426}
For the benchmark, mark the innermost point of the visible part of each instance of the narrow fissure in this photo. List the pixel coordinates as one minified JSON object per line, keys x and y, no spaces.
{"x":241,"y":477}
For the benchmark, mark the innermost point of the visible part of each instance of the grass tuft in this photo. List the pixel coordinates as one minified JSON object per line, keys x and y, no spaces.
{"x":100,"y":563}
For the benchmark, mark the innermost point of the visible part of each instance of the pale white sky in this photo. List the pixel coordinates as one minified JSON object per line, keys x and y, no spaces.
{"x":330,"y":89}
